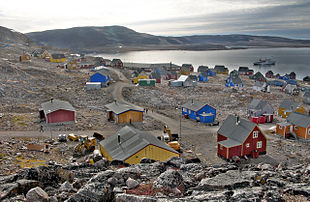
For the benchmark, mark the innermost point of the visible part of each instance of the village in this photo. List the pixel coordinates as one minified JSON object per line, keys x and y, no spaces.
{"x":60,"y":108}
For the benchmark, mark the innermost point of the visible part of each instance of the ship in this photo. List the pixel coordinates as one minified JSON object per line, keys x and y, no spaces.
{"x":265,"y":61}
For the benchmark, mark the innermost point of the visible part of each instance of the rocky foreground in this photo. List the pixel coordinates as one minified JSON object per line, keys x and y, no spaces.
{"x":174,"y":180}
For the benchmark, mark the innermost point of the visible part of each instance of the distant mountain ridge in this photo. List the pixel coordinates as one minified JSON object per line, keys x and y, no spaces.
{"x":119,"y":37}
{"x":10,"y":36}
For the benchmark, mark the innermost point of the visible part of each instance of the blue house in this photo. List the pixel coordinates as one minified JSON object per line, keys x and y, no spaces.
{"x":211,"y":72}
{"x":199,"y":111}
{"x":285,"y":77}
{"x":101,"y":77}
{"x":203,"y":76}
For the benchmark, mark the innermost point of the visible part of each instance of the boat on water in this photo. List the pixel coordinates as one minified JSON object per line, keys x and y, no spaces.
{"x":265,"y":61}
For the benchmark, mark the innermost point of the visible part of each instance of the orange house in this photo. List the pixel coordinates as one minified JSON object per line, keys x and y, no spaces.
{"x":297,"y":125}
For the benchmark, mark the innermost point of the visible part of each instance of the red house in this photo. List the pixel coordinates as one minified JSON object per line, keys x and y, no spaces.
{"x":240,"y":137}
{"x":57,"y":111}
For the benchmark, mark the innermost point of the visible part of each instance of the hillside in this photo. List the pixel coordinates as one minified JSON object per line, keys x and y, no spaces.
{"x":11,"y":36}
{"x":118,"y":37}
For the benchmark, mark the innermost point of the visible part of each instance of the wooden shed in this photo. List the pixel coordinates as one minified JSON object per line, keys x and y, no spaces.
{"x":240,"y":137}
{"x":57,"y":111}
{"x":124,"y":113}
{"x":199,"y":111}
{"x":131,"y":145}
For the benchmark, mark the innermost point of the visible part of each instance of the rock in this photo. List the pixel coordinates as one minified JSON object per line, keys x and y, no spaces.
{"x":221,"y":168}
{"x":101,"y":164}
{"x":133,"y":198}
{"x":131,"y":183}
{"x":175,"y":162}
{"x":125,"y":173}
{"x":147,"y":160}
{"x":66,"y":186}
{"x":266,"y":166}
{"x":230,"y":180}
{"x":170,"y":178}
{"x":53,"y":199}
{"x":248,"y":194}
{"x":298,"y":189}
{"x":276,"y":182}
{"x":37,"y":194}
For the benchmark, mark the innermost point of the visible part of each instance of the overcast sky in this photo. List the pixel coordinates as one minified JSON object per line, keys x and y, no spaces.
{"x":289,"y":18}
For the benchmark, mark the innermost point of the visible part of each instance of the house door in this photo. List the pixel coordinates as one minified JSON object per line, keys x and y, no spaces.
{"x":255,"y":154}
{"x":110,"y":115}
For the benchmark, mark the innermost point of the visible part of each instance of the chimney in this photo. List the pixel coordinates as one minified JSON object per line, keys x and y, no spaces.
{"x":237,"y":119}
{"x":118,"y":138}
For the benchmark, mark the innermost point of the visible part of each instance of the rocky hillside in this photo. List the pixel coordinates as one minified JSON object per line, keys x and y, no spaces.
{"x":122,"y":38}
{"x":11,"y":36}
{"x":175,"y":180}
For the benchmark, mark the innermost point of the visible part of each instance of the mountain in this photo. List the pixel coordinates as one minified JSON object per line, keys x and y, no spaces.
{"x":11,"y":36}
{"x":119,"y":37}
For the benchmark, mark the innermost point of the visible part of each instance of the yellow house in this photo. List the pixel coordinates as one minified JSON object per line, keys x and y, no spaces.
{"x":142,"y":75}
{"x":72,"y":64}
{"x":44,"y":54}
{"x":25,"y":58}
{"x":288,"y":106}
{"x":131,"y":145}
{"x":58,"y":58}
{"x":124,"y":113}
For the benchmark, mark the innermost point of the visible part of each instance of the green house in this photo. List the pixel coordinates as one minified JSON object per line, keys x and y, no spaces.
{"x":147,"y":82}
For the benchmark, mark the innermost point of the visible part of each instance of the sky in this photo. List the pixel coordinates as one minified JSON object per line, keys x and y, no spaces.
{"x":287,"y":18}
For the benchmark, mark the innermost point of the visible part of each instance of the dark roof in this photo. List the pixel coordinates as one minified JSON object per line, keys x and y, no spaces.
{"x":58,"y":56}
{"x":289,"y":104}
{"x":260,"y":105}
{"x":299,"y":119}
{"x":220,"y":68}
{"x":194,"y":105}
{"x":202,"y":68}
{"x":243,"y":69}
{"x":131,"y":141}
{"x":119,"y":108}
{"x":236,"y":80}
{"x":258,"y":76}
{"x":187,"y":65}
{"x":238,"y":132}
{"x":55,"y":105}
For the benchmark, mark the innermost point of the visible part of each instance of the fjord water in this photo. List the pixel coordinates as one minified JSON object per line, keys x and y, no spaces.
{"x":287,"y":59}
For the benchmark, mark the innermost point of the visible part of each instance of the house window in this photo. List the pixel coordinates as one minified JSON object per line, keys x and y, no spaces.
{"x":247,"y":145}
{"x":280,"y":127}
{"x":255,"y":134}
{"x":296,"y":128}
{"x":259,"y":144}
{"x":221,"y":147}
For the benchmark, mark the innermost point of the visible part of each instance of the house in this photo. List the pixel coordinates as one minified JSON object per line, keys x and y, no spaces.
{"x":199,"y":111}
{"x":258,"y":77}
{"x":234,"y":80}
{"x":147,"y":82}
{"x":221,"y":69}
{"x":40,"y":53}
{"x":240,"y":137}
{"x":141,"y":75}
{"x":297,"y":125}
{"x":275,"y":83}
{"x":292,"y":75}
{"x":162,"y":71}
{"x":245,"y":71}
{"x":306,"y":98}
{"x":269,"y":74}
{"x":116,"y":63}
{"x":156,"y":76}
{"x":289,"y":106}
{"x":102,"y":77}
{"x":203,"y":76}
{"x":172,"y":75}
{"x":261,"y":86}
{"x":260,"y":111}
{"x":291,"y":89}
{"x":106,"y":62}
{"x":57,"y":111}
{"x":124,"y":113}
{"x":202,"y":68}
{"x":306,"y":78}
{"x":25,"y":58}
{"x":85,"y":65}
{"x":58,"y":58}
{"x":186,"y":81}
{"x":131,"y":145}
{"x":211,"y":72}
{"x":284,"y":77}
{"x":185,"y":69}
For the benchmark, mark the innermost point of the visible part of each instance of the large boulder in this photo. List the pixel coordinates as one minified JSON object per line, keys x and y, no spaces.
{"x":169,"y":179}
{"x":131,"y":183}
{"x":37,"y":194}
{"x":230,"y":180}
{"x":175,"y":162}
